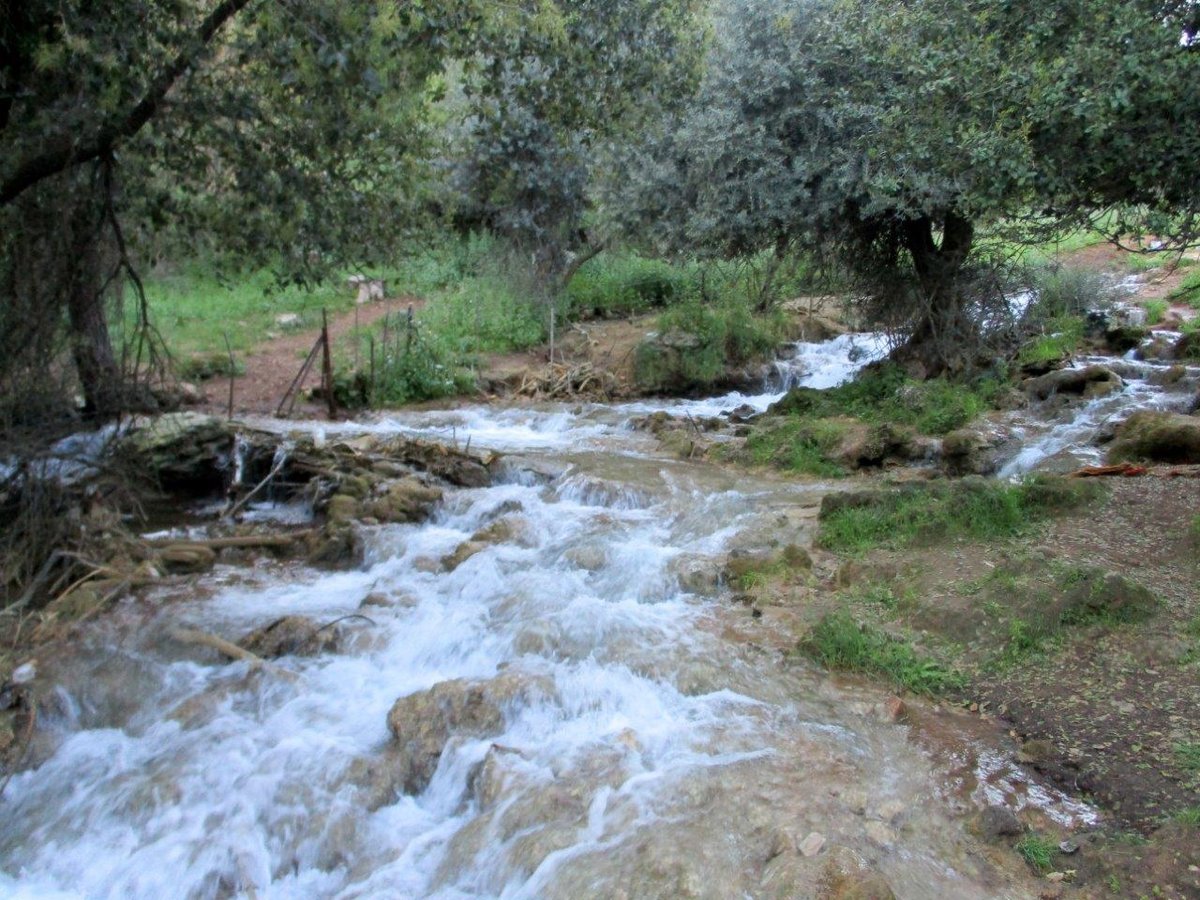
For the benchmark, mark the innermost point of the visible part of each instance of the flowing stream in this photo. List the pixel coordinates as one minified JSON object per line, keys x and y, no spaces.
{"x":656,"y":739}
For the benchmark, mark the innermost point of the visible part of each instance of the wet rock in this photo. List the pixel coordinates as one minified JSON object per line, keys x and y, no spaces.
{"x":355,"y":486}
{"x":406,"y":500}
{"x":335,"y":546}
{"x":1124,"y":338}
{"x":182,"y":451}
{"x":997,"y":822}
{"x":1157,"y":437}
{"x":449,"y":464}
{"x":700,"y":575}
{"x":1168,"y":376}
{"x":507,"y":530}
{"x":461,"y":554}
{"x":1089,"y":382}
{"x":186,"y":559}
{"x":847,"y":877}
{"x":422,"y":723}
{"x":291,"y":636}
{"x":381,"y":600}
{"x":589,"y":557}
{"x":892,"y":710}
{"x":876,"y":445}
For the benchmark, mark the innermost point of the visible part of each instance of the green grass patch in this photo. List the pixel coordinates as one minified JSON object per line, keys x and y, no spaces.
{"x":885,"y":394}
{"x":1187,"y":755}
{"x":1189,"y":816}
{"x":1040,"y":852}
{"x":1061,"y":336}
{"x":839,"y":642}
{"x":1156,"y":310}
{"x":621,"y":284}
{"x":194,"y":310}
{"x":799,"y":445}
{"x":970,"y":508}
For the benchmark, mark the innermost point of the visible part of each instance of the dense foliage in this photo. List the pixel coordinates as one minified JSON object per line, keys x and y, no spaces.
{"x":887,"y":134}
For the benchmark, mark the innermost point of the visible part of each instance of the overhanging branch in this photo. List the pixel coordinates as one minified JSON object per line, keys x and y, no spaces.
{"x":66,"y":153}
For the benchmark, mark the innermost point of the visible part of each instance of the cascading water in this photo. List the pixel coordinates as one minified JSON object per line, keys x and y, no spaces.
{"x":649,"y":741}
{"x":1065,"y":439}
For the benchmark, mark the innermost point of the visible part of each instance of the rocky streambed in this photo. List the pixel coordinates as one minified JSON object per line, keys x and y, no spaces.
{"x":500,"y":660}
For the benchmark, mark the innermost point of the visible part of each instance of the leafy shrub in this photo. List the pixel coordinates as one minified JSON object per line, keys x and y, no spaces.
{"x":718,"y":336}
{"x":620,"y":284}
{"x":409,"y":372}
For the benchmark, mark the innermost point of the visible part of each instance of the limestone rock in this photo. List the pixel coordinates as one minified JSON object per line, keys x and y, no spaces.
{"x":343,"y":508}
{"x":996,"y":822}
{"x":461,"y":554}
{"x":183,"y":451}
{"x":967,"y":452}
{"x":422,"y":723}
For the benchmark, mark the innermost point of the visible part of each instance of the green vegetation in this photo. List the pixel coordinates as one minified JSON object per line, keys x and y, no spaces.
{"x":1189,"y":290}
{"x":969,"y":508}
{"x":1061,"y":337}
{"x":194,"y":311}
{"x":1187,"y":754}
{"x":1155,"y":311}
{"x":1189,"y":816}
{"x":1040,"y":852}
{"x":798,"y":444}
{"x":699,"y":342}
{"x":884,"y":394}
{"x":839,"y":642}
{"x":622,"y":283}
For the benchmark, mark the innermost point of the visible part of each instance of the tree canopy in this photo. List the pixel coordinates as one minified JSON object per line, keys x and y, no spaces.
{"x":887,"y":133}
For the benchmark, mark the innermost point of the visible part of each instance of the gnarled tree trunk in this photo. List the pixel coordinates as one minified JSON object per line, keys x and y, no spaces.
{"x":100,"y":376}
{"x":945,"y":335}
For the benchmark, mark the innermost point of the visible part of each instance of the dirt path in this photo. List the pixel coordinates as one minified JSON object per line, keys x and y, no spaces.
{"x":271,"y":366}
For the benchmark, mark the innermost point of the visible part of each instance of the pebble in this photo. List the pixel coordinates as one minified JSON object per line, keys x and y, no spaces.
{"x":813,"y":844}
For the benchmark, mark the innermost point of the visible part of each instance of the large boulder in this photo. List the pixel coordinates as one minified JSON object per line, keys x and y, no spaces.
{"x":1157,"y":437}
{"x":1089,"y":382}
{"x":423,"y":723}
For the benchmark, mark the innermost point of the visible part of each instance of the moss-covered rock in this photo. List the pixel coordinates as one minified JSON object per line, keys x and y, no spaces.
{"x":1157,"y":437}
{"x":1088,"y":383}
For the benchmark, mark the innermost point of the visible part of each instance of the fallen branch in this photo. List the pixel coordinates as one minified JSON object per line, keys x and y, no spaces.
{"x":1124,"y":470}
{"x":195,"y":638}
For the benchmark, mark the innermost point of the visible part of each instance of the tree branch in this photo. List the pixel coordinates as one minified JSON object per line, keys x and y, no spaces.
{"x":66,"y":153}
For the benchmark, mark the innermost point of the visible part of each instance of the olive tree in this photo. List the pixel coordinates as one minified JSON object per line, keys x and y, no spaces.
{"x":889,"y":134}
